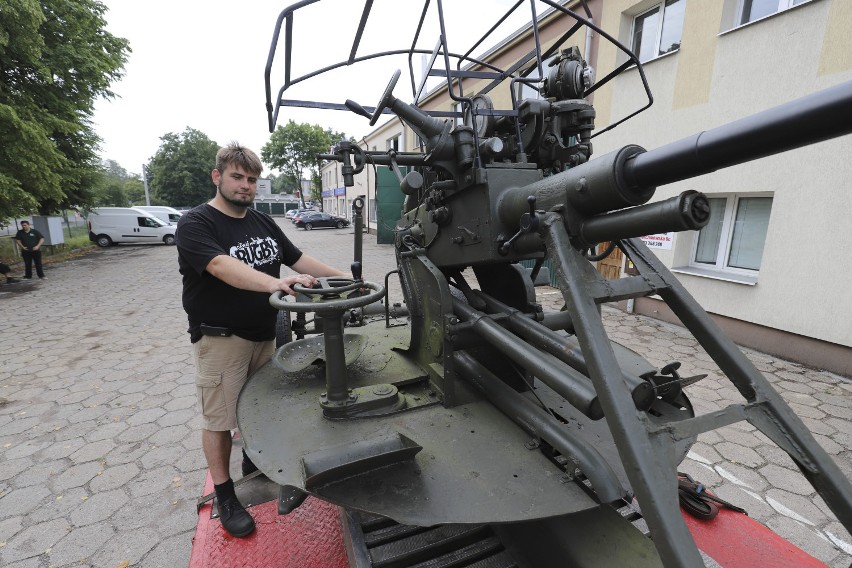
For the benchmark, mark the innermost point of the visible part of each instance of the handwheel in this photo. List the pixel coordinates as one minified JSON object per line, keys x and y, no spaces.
{"x":325,"y":297}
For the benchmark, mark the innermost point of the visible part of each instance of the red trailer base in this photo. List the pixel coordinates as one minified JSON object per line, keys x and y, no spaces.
{"x":735,"y":540}
{"x":312,"y":536}
{"x":309,"y":537}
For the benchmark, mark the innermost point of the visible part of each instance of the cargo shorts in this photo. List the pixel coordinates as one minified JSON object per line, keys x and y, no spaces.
{"x":222,"y":367}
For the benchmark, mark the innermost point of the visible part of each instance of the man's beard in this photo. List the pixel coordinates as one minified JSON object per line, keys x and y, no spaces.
{"x":234,"y":201}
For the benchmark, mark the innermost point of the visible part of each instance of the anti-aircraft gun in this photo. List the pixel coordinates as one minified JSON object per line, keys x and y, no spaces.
{"x":484,"y":410}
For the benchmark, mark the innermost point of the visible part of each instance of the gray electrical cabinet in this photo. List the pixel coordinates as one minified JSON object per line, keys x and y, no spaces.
{"x":50,"y":228}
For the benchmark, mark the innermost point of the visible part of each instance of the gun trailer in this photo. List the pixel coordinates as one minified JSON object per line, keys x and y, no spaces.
{"x":480,"y":409}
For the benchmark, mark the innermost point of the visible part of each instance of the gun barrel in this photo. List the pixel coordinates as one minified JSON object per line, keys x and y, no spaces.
{"x":815,"y":118}
{"x":688,"y":211}
{"x":596,"y":186}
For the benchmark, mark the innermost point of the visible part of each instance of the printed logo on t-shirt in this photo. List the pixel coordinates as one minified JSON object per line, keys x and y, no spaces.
{"x":256,"y":252}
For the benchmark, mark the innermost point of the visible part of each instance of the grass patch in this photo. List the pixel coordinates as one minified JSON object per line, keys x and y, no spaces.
{"x":76,"y":244}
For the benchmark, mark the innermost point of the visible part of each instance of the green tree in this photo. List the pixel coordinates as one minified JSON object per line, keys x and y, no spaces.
{"x":135,"y":190}
{"x":284,"y":184}
{"x":111,"y":194}
{"x":56,"y":59}
{"x":275,"y":185}
{"x":113,"y":169}
{"x":117,"y":188}
{"x":179,"y":173}
{"x":293,"y":149}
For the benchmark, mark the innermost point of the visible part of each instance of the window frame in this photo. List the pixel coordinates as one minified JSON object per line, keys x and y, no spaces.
{"x":661,"y":6}
{"x":394,"y":140}
{"x":783,"y":6}
{"x":732,"y":203}
{"x":149,"y":223}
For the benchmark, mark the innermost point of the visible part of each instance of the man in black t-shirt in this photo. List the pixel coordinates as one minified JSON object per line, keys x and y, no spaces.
{"x":230,"y":256}
{"x":30,"y":241}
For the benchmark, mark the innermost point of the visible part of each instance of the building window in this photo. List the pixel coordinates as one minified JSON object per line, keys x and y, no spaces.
{"x":751,"y":10}
{"x":393,"y":143}
{"x":658,"y":31}
{"x":733,"y":240}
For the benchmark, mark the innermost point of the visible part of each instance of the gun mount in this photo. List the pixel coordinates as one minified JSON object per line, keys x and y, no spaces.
{"x":484,"y":409}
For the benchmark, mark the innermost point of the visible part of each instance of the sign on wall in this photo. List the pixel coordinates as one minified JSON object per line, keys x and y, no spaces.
{"x":662,"y":241}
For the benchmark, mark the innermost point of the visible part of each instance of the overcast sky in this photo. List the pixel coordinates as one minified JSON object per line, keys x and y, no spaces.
{"x":200,"y":64}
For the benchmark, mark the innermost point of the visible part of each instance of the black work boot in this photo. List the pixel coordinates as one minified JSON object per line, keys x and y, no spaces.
{"x":235,"y":519}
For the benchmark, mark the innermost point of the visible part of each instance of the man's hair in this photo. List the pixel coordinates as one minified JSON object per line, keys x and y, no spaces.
{"x":235,"y":155}
{"x":25,"y":222}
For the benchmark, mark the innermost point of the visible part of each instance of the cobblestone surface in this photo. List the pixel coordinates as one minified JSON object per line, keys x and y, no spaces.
{"x":100,"y":460}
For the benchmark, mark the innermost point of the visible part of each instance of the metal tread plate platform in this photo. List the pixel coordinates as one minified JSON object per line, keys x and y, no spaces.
{"x":309,"y":537}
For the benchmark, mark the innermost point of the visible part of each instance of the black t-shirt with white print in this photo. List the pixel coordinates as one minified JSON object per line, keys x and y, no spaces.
{"x":204,"y":233}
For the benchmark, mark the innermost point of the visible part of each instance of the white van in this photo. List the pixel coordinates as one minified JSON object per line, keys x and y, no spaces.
{"x":168,"y":214}
{"x":110,"y":225}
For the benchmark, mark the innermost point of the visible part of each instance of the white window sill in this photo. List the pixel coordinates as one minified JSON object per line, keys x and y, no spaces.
{"x":657,"y":58}
{"x":717,"y":275}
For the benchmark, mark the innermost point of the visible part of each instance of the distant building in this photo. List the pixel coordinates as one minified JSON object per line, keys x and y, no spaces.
{"x":275,"y":204}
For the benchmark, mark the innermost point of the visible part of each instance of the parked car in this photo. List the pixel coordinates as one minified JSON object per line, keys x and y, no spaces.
{"x":291,"y":213}
{"x":111,"y":225}
{"x":319,"y":219}
{"x":168,"y":214}
{"x":297,"y":215}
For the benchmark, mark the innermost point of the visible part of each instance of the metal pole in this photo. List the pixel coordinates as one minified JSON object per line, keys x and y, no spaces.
{"x":358,"y":222}
{"x":145,"y":183}
{"x":337,"y":388}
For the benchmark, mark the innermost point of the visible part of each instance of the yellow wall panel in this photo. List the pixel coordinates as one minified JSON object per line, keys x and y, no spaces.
{"x":837,"y":42}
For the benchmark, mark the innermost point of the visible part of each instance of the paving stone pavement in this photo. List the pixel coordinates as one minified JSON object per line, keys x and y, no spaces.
{"x":100,"y":455}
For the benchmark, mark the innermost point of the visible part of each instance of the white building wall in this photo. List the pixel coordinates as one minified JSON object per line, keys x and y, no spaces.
{"x":803,"y":285}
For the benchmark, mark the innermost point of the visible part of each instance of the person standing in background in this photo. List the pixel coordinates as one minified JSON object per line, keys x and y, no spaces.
{"x":30,"y":241}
